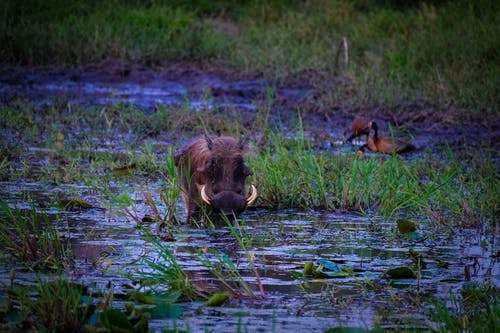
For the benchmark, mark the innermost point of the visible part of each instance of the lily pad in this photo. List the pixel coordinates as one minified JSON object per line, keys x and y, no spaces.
{"x":73,"y":204}
{"x":401,"y":273}
{"x":217,"y":299}
{"x":308,"y":268}
{"x":406,"y":226}
{"x":167,"y":311}
{"x":329,"y":265}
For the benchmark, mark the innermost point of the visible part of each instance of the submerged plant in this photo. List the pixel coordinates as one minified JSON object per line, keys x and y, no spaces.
{"x":33,"y":243}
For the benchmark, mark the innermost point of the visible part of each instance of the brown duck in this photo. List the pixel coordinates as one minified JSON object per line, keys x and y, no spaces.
{"x":360,"y":126}
{"x":386,"y":145}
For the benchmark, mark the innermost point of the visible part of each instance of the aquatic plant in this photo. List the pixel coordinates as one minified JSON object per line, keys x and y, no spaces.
{"x":53,"y":305}
{"x":476,"y":309}
{"x":165,"y":275}
{"x":30,"y":241}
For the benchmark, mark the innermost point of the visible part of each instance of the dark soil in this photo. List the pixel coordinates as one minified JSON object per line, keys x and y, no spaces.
{"x":303,"y":92}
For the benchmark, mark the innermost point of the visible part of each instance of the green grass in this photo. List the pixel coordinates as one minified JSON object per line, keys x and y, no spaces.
{"x":30,"y":239}
{"x":448,"y":187}
{"x":476,"y":309}
{"x":439,"y":52}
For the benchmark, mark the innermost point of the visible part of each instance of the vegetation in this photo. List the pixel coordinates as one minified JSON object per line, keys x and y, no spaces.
{"x":399,"y":55}
{"x":31,"y":241}
{"x":439,"y":52}
{"x":448,"y":187}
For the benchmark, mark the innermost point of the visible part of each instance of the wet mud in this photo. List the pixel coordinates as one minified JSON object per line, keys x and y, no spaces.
{"x":243,"y":93}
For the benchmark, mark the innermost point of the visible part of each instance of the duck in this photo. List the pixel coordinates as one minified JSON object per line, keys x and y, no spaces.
{"x":385,"y":145}
{"x":360,"y":126}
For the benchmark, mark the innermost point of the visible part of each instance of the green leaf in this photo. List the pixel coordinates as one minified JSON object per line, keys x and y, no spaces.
{"x":167,"y":311}
{"x":339,"y":274}
{"x":401,"y":273}
{"x":329,"y":265}
{"x":406,"y":226}
{"x":116,"y":321}
{"x":141,"y":298}
{"x":217,"y":299}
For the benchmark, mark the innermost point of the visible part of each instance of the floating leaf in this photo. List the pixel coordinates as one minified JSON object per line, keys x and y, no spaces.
{"x":217,"y":299}
{"x":125,"y":170}
{"x":116,"y":321}
{"x":308,"y":268}
{"x":329,"y":265}
{"x":401,"y":273}
{"x":406,"y":226}
{"x":415,"y":235}
{"x":141,"y":298}
{"x":73,"y":204}
{"x":338,"y":274}
{"x":167,"y":311}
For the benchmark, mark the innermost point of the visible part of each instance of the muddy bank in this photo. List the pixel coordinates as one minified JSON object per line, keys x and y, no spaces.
{"x":243,"y":93}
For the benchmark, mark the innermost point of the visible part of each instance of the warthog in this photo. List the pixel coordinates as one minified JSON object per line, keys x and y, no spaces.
{"x":212,"y":172}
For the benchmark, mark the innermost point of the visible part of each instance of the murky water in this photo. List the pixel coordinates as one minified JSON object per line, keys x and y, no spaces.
{"x":107,"y":245}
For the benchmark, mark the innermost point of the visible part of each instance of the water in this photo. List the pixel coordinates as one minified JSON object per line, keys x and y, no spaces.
{"x":107,"y":245}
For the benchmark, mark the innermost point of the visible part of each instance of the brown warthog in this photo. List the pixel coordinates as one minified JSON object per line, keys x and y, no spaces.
{"x":212,"y":172}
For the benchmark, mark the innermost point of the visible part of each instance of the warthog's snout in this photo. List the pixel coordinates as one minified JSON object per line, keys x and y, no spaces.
{"x":228,"y":202}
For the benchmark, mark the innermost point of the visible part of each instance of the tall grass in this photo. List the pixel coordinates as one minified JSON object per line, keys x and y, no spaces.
{"x":449,"y":187}
{"x":442,"y":51}
{"x":30,"y":239}
{"x":440,"y":186}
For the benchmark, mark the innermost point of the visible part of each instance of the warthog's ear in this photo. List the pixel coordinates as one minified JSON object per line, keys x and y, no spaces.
{"x":209,"y":141}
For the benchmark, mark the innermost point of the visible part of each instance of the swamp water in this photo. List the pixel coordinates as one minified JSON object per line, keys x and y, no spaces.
{"x":109,"y":251}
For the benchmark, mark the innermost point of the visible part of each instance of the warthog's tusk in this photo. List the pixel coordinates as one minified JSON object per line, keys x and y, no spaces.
{"x":252,"y":196}
{"x":204,"y":196}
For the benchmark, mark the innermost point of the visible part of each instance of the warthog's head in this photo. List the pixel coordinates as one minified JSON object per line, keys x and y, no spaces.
{"x":212,"y":171}
{"x":225,"y":173}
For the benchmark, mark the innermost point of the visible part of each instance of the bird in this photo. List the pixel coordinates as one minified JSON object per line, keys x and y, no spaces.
{"x":360,"y":126}
{"x":386,"y":145}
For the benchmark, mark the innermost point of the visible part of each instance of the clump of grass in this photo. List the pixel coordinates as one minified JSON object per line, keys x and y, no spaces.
{"x":165,"y":275}
{"x":57,"y":306}
{"x":33,"y":243}
{"x":448,"y":190}
{"x":477,"y":309}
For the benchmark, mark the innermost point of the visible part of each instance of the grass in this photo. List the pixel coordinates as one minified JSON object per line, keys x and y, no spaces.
{"x":449,"y":187}
{"x":439,"y":52}
{"x":450,"y":192}
{"x":30,"y":239}
{"x":477,"y":309}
